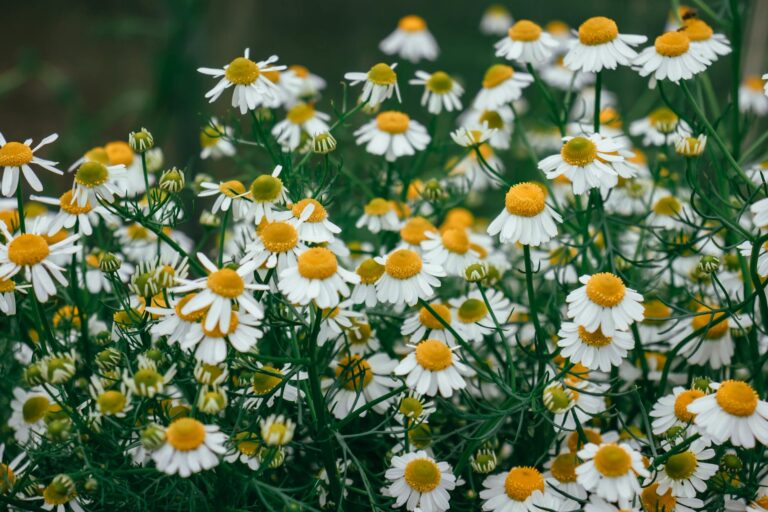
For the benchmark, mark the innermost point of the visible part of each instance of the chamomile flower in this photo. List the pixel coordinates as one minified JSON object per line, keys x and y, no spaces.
{"x":671,"y":58}
{"x":703,"y":39}
{"x":316,"y":277}
{"x":147,"y":381}
{"x":214,"y":141}
{"x":310,"y":84}
{"x":314,"y":227}
{"x":12,"y":471}
{"x":610,"y":470}
{"x":210,"y":344}
{"x":392,"y":134}
{"x":752,"y":97}
{"x":246,"y":448}
{"x":277,"y":430}
{"x":672,"y":410}
{"x":734,"y":412}
{"x":336,"y":321}
{"x":190,"y":447}
{"x":594,"y":350}
{"x":601,"y":46}
{"x":380,"y":84}
{"x":270,"y":383}
{"x":589,"y":162}
{"x":29,"y":409}
{"x":689,"y":146}
{"x":441,"y":91}
{"x":424,"y":324}
{"x":573,"y":402}
{"x":518,"y":490}
{"x":15,"y":159}
{"x":361,"y":379}
{"x":229,"y":194}
{"x":685,"y":473}
{"x":8,"y":289}
{"x":494,"y":126}
{"x":604,"y":302}
{"x":468,"y":138}
{"x":32,"y":253}
{"x":110,"y":402}
{"x":501,"y":85}
{"x":61,"y":495}
{"x":379,"y":215}
{"x":364,"y":292}
{"x":526,"y":43}
{"x":411,"y":40}
{"x":94,"y":181}
{"x":496,"y":20}
{"x":526,"y":217}
{"x":414,"y":232}
{"x":266,"y":192}
{"x":658,"y":127}
{"x":406,"y":278}
{"x":474,"y":319}
{"x":451,"y":249}
{"x":70,"y":214}
{"x":432,"y":367}
{"x":252,"y":87}
{"x":561,"y":476}
{"x":420,"y":482}
{"x":302,"y":118}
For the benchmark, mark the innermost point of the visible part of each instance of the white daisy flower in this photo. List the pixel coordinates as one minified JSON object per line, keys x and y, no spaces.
{"x":252,"y":87}
{"x":473,"y":171}
{"x":246,"y":448}
{"x":147,"y":381}
{"x":336,"y":321}
{"x":94,"y":181}
{"x":704,"y":40}
{"x":314,"y":227}
{"x":604,"y":302}
{"x":734,"y":413}
{"x":302,"y":118}
{"x":190,"y":447}
{"x":501,"y":85}
{"x":360,"y":380}
{"x":594,"y":350}
{"x":573,"y":402}
{"x":70,"y":214}
{"x":610,"y":471}
{"x":211,"y":344}
{"x":668,"y":212}
{"x":526,"y":43}
{"x":316,"y":277}
{"x":494,"y":126}
{"x":414,"y":231}
{"x":432,"y":367}
{"x":277,"y":430}
{"x":266,"y":192}
{"x":714,"y":347}
{"x":672,"y":410}
{"x":671,"y":58}
{"x":689,"y":146}
{"x":380,"y":84}
{"x":440,"y":91}
{"x":420,"y":482}
{"x":520,"y":489}
{"x":392,"y":135}
{"x":29,"y":409}
{"x":406,"y":278}
{"x":526,"y":218}
{"x":760,"y":504}
{"x":110,"y":402}
{"x":229,"y":194}
{"x":15,"y":159}
{"x":450,"y":249}
{"x":561,"y":476}
{"x":270,"y":383}
{"x":61,"y":495}
{"x":474,"y":319}
{"x":379,"y":215}
{"x":658,"y":127}
{"x":468,"y":138}
{"x":496,"y":20}
{"x":424,"y":324}
{"x":601,"y":46}
{"x":752,"y":98}
{"x":411,"y":40}
{"x":310,"y":84}
{"x":214,"y":141}
{"x":685,"y":473}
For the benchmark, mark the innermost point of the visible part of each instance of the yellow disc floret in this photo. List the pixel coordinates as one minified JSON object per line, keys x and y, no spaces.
{"x":579,"y":151}
{"x":525,"y":200}
{"x":521,"y":482}
{"x":439,"y":83}
{"x":412,"y":23}
{"x":279,"y":237}
{"x":682,"y":401}
{"x":422,"y":475}
{"x":672,"y":44}
{"x":525,"y":30}
{"x":319,"y":214}
{"x":28,"y":249}
{"x":403,"y":264}
{"x":393,"y":122}
{"x":606,"y":289}
{"x":185,"y":434}
{"x":598,"y":30}
{"x":370,"y":271}
{"x":91,"y":174}
{"x":430,"y":321}
{"x":737,"y":398}
{"x":456,"y":240}
{"x":472,"y":310}
{"x":242,"y":71}
{"x":301,"y":113}
{"x":434,"y":355}
{"x":354,"y":372}
{"x":496,"y":75}
{"x":317,"y":263}
{"x":382,"y":74}
{"x":612,"y":461}
{"x":15,"y":154}
{"x":226,"y":283}
{"x":594,"y":339}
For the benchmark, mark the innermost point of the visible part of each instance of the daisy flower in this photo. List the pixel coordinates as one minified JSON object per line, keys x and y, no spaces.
{"x":715,"y":345}
{"x":172,"y":322}
{"x":361,"y":380}
{"x":424,"y":324}
{"x":8,"y":289}
{"x":574,"y":402}
{"x":364,"y":292}
{"x":752,"y":97}
{"x":440,"y":91}
{"x":610,"y":470}
{"x":658,"y":127}
{"x":32,"y":253}
{"x":302,"y":118}
{"x":379,"y":214}
{"x":12,"y":471}
{"x":704,"y":40}
{"x":29,"y":410}
{"x":335,"y":321}
{"x":147,"y":381}
{"x":494,"y":126}
{"x":450,"y":249}
{"x":689,"y":146}
{"x":15,"y":159}
{"x":94,"y":181}
{"x":270,"y":383}
{"x":526,"y":43}
{"x":601,"y":46}
{"x":61,"y":495}
{"x":420,"y":482}
{"x":380,"y":84}
{"x":190,"y":446}
{"x":242,"y":333}
{"x":316,"y":277}
{"x":266,"y":192}
{"x":214,"y":141}
{"x":310,"y":84}
{"x":474,"y":319}
{"x":526,"y":218}
{"x":604,"y":302}
{"x":561,"y":475}
{"x":246,"y":448}
{"x":392,"y":135}
{"x":433,"y":366}
{"x":496,"y":20}
{"x":671,"y":58}
{"x":594,"y":350}
{"x":252,"y":87}
{"x":589,"y":161}
{"x":71,"y":214}
{"x":684,"y":473}
{"x":315,"y":227}
{"x":518,"y":490}
{"x":110,"y":402}
{"x":406,"y":278}
{"x":220,"y":290}
{"x":414,"y":231}
{"x":275,"y":245}
{"x":732,"y":413}
{"x":501,"y":85}
{"x":229,"y":194}
{"x":672,"y":410}
{"x":411,"y":40}
{"x":668,"y":212}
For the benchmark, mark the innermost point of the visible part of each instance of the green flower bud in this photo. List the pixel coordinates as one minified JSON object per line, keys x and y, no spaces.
{"x":708,"y":264}
{"x":172,"y":180}
{"x":109,"y":263}
{"x":323,"y":143}
{"x":141,"y":141}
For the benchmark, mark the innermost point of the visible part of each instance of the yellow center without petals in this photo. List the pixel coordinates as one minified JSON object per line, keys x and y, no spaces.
{"x":415,"y":229}
{"x":456,"y":240}
{"x":612,"y":461}
{"x":412,"y":23}
{"x":319,"y":214}
{"x":697,"y":29}
{"x":434,"y":355}
{"x":28,"y":249}
{"x":370,"y":271}
{"x":682,"y":401}
{"x":242,"y":71}
{"x":594,"y":339}
{"x":525,"y":200}
{"x":403,"y":264}
{"x":717,"y":322}
{"x":317,"y":263}
{"x":301,"y":113}
{"x":15,"y":154}
{"x":91,"y":174}
{"x":440,"y":83}
{"x":7,"y":285}
{"x":672,"y":44}
{"x":579,"y":151}
{"x":755,"y":83}
{"x":111,"y":402}
{"x":472,"y":310}
{"x":35,"y":408}
{"x":185,"y":434}
{"x":655,"y":312}
{"x":429,"y":320}
{"x":525,"y":30}
{"x":422,"y":475}
{"x":605,"y":289}
{"x":492,"y":119}
{"x":497,"y":74}
{"x":393,"y":122}
{"x":378,"y":206}
{"x":652,"y":502}
{"x":382,"y":74}
{"x":226,"y":283}
{"x":737,"y":398}
{"x":355,"y":372}
{"x":265,"y":379}
{"x":119,"y":152}
{"x":564,"y":467}
{"x":521,"y":482}
{"x":279,"y":237}
{"x":266,"y":188}
{"x":232,"y":188}
{"x":598,"y":30}
{"x":681,"y":466}
{"x":668,"y":206}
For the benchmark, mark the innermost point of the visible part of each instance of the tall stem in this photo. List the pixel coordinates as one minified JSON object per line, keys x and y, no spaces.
{"x":598,"y":92}
{"x":534,"y":310}
{"x":20,"y":204}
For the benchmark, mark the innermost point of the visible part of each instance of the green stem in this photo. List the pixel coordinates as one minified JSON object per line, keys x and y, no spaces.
{"x":20,"y":204}
{"x":222,"y":235}
{"x":598,"y":92}
{"x":735,"y":76}
{"x":534,"y":311}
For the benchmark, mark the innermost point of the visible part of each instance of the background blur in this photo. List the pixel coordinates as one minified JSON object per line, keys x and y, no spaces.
{"x":94,"y":70}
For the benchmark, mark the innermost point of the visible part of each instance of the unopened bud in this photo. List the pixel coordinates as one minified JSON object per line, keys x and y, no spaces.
{"x":141,"y":141}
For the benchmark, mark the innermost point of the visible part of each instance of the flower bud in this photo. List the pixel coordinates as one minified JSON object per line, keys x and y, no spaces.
{"x":108,"y":359}
{"x":59,"y":429}
{"x":433,"y":190}
{"x":731,"y":462}
{"x":209,"y":220}
{"x":141,"y":141}
{"x":33,"y":374}
{"x":323,"y":143}
{"x":476,"y":272}
{"x":109,"y":263}
{"x":212,"y":401}
{"x":483,"y":461}
{"x":172,"y":180}
{"x":708,"y":264}
{"x":152,"y":437}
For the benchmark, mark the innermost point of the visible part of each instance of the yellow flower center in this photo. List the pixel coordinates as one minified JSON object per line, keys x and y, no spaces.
{"x":605,"y":289}
{"x":317,"y":263}
{"x":382,"y":74}
{"x":762,"y":502}
{"x":663,"y":119}
{"x":612,"y":461}
{"x":412,"y":23}
{"x":497,"y":74}
{"x":370,"y":271}
{"x":682,"y":402}
{"x":185,"y":434}
{"x":393,"y":122}
{"x":656,"y":312}
{"x":697,"y":29}
{"x":429,"y":321}
{"x":299,"y":70}
{"x":10,"y":218}
{"x":378,"y":206}
{"x":652,"y":502}
{"x":35,"y":408}
{"x":216,"y":332}
{"x":58,"y":494}
{"x":111,"y":402}
{"x":359,"y":334}
{"x":7,"y":478}
{"x":210,"y":135}
{"x":672,"y":44}
{"x":192,"y":317}
{"x":422,"y":475}
{"x":415,"y":229}
{"x":456,"y":240}
{"x":318,"y":214}
{"x":579,"y":151}
{"x":562,"y":255}
{"x":737,"y":398}
{"x":7,"y":285}
{"x":521,"y":482}
{"x":598,"y":30}
{"x":681,"y":466}
{"x":301,"y":113}
{"x":354,"y":372}
{"x":440,"y":83}
{"x":232,"y":188}
{"x":247,"y":443}
{"x":137,"y":232}
{"x":525,"y":200}
{"x":668,"y":206}
{"x":434,"y":355}
{"x":564,"y":467}
{"x":67,"y":205}
{"x":226,"y":283}
{"x":492,"y":119}
{"x":594,"y":339}
{"x":279,"y":236}
{"x":15,"y":154}
{"x":403,"y":264}
{"x":719,"y":323}
{"x":66,"y":315}
{"x":242,"y":71}
{"x":266,"y":188}
{"x":265,"y":379}
{"x":28,"y":249}
{"x":525,"y":30}
{"x":754,"y":83}
{"x":592,"y":436}
{"x":472,"y":310}
{"x":91,"y":174}
{"x":119,"y":152}
{"x":557,"y":27}
{"x":411,"y":407}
